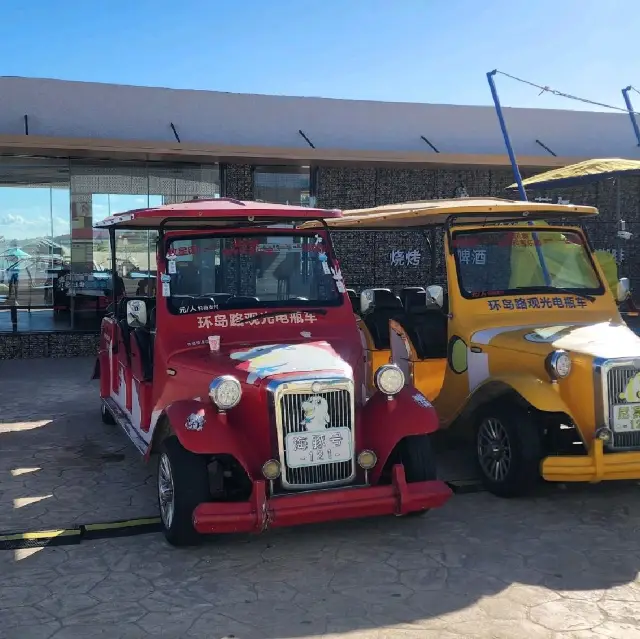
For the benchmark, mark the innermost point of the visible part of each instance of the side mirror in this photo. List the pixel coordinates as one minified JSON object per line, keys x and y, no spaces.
{"x":436,"y":294}
{"x":623,"y":290}
{"x":136,"y":313}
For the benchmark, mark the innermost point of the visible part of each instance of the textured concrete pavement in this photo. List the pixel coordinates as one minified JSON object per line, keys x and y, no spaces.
{"x":59,"y":464}
{"x":563,"y":565}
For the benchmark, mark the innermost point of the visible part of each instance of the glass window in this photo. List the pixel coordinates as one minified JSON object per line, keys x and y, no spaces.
{"x":503,"y":262}
{"x":101,"y":189}
{"x":180,"y":183}
{"x":34,"y":238}
{"x":53,"y":261}
{"x":249,"y":272}
{"x":282,"y":184}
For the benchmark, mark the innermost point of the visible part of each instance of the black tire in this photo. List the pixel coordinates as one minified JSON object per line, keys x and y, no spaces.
{"x":518,"y":448}
{"x":107,"y":417}
{"x":416,"y":455}
{"x":190,"y":483}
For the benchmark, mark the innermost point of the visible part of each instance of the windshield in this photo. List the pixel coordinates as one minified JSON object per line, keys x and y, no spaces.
{"x":502,"y":262}
{"x":210,"y":273}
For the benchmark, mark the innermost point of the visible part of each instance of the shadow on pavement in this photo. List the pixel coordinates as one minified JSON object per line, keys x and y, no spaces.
{"x":566,"y":560}
{"x":59,"y":464}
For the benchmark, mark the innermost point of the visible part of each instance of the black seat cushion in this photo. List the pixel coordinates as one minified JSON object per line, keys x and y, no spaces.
{"x":144,"y":341}
{"x":385,"y":307}
{"x":242,"y":301}
{"x":121,"y":309}
{"x":428,"y":331}
{"x":355,"y":301}
{"x":125,"y":332}
{"x":411,"y":296}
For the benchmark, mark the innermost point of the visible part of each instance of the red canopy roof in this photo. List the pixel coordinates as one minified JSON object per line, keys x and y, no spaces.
{"x":216,"y":212}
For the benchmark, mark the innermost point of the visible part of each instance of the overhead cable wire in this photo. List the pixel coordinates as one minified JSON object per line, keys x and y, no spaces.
{"x":547,"y":89}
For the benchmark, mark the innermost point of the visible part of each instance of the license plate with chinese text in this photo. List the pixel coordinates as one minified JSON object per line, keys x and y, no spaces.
{"x":322,"y":447}
{"x":626,"y":418}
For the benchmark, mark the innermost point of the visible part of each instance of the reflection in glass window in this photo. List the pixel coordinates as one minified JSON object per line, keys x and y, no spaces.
{"x":282,"y":184}
{"x":34,"y":231}
{"x":249,"y":272}
{"x":504,"y":262}
{"x":53,"y":261}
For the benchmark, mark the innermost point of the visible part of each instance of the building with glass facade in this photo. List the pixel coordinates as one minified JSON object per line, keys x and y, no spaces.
{"x":73,"y":153}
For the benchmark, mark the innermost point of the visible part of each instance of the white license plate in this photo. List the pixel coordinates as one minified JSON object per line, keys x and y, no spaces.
{"x":626,"y":418}
{"x":327,"y":446}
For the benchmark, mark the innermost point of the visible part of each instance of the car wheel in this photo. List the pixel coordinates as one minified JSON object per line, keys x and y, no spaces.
{"x":107,"y":417}
{"x":508,"y":450}
{"x":416,"y":455}
{"x":183,"y":484}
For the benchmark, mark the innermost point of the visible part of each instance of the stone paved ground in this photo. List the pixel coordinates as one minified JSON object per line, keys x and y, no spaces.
{"x":59,"y":464}
{"x":563,"y":565}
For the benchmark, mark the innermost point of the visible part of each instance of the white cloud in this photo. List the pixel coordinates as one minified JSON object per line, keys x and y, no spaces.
{"x":11,"y":219}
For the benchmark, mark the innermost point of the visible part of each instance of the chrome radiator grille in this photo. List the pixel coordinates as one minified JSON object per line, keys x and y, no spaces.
{"x":620,"y":389}
{"x":289,"y":419}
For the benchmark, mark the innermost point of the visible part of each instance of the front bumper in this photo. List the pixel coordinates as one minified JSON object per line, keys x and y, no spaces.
{"x":594,"y":467}
{"x":262,"y":512}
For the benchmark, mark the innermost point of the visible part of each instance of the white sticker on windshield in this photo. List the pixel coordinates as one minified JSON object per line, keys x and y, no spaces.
{"x":171,"y":267}
{"x":326,"y":268}
{"x":166,"y":289}
{"x":337,"y":276}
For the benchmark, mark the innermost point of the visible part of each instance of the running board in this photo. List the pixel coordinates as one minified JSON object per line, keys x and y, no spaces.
{"x":123,"y":421}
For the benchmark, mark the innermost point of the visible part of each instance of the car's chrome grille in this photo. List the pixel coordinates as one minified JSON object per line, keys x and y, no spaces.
{"x":619,"y":379}
{"x":290,"y":420}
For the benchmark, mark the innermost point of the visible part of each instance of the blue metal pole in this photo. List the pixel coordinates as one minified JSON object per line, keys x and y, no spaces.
{"x":632,"y":113}
{"x":516,"y":170}
{"x":505,"y":135}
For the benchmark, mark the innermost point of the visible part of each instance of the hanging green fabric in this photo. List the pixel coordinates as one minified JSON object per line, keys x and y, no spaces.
{"x":568,"y":264}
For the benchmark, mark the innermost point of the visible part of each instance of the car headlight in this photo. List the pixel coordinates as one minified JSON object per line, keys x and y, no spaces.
{"x":389,"y":379}
{"x":225,"y":392}
{"x":558,"y":364}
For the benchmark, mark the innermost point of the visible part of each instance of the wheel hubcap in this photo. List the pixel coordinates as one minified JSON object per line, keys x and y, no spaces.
{"x":494,"y":449}
{"x":166,"y":491}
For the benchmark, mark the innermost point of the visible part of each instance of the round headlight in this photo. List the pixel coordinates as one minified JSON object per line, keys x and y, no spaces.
{"x":389,"y":379}
{"x":558,"y":364}
{"x":367,"y":459}
{"x":271,"y":469}
{"x":225,"y":392}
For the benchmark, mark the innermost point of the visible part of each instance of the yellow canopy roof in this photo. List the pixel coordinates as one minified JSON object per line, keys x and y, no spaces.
{"x":434,"y":212}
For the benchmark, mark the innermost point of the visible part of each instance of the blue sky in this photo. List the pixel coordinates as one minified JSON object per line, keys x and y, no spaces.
{"x":414,"y":50}
{"x":403,"y":50}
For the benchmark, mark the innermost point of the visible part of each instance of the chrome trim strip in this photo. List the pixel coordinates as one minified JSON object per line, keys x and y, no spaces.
{"x":603,"y":404}
{"x":599,"y":391}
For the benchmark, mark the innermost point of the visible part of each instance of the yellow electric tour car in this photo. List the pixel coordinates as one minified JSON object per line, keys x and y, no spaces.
{"x":524,"y":350}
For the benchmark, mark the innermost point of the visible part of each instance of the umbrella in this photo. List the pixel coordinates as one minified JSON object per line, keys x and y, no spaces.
{"x":585,"y":172}
{"x":588,"y":172}
{"x":15,"y":252}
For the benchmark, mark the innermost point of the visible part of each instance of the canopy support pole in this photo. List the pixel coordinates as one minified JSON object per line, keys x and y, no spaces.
{"x":516,"y":170}
{"x":632,"y":113}
{"x":505,"y":135}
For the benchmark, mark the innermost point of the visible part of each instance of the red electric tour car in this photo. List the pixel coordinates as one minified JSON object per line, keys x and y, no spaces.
{"x":244,"y":369}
